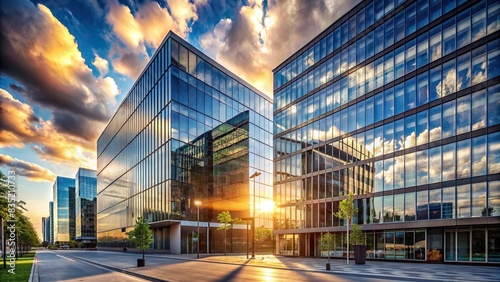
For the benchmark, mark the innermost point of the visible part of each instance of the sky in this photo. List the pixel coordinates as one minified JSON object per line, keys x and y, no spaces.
{"x":65,"y":65}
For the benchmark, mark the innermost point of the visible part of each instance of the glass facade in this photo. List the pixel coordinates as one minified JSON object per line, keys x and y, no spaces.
{"x":51,"y":223}
{"x":86,"y":205}
{"x":398,"y":103}
{"x":63,"y":211}
{"x":188,"y":130}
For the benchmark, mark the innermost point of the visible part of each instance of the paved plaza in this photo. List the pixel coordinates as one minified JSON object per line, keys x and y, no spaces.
{"x":120,"y":266}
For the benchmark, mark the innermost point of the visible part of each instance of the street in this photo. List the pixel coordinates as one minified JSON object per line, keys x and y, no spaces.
{"x":70,"y":265}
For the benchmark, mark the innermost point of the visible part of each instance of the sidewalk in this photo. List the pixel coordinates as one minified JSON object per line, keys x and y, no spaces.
{"x":381,"y":269}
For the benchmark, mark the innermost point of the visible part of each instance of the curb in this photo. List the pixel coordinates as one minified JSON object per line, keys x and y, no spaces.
{"x":34,"y":277}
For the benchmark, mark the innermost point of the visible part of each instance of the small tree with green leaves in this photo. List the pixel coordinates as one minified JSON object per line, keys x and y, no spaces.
{"x":327,"y":243}
{"x":357,"y":236}
{"x":141,"y":236}
{"x":346,"y":212}
{"x":225,"y":224}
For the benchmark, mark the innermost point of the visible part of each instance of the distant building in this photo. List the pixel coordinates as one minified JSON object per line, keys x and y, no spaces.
{"x":188,"y":130}
{"x":63,"y":193}
{"x":398,"y":103}
{"x":51,"y":223}
{"x":85,"y":206}
{"x":44,"y":219}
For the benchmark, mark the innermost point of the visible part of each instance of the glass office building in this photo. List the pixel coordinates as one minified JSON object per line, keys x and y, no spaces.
{"x":398,"y":103}
{"x":188,"y":130}
{"x":63,"y":210}
{"x":85,"y":206}
{"x":51,"y":223}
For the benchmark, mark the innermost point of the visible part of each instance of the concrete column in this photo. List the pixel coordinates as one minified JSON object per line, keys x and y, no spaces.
{"x":175,"y":238}
{"x":208,"y":237}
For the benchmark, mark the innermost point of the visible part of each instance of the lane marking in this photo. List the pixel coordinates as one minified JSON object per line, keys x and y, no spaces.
{"x":65,"y":258}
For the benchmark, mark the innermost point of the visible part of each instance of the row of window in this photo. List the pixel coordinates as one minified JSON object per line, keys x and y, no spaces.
{"x":467,"y":158}
{"x":462,"y":201}
{"x":441,"y":40}
{"x":414,"y":17}
{"x":465,"y":114}
{"x":454,"y":75}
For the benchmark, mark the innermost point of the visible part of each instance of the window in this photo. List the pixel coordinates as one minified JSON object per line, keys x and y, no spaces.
{"x":449,"y":84}
{"x":435,"y":43}
{"x":479,"y":65}
{"x":399,"y":23}
{"x":410,"y":56}
{"x":410,"y":94}
{"x":422,"y":128}
{"x":410,"y":19}
{"x":435,"y":165}
{"x":360,"y":50}
{"x":449,"y":205}
{"x":370,"y":77}
{"x":410,"y":166}
{"x":399,"y":134}
{"x":389,"y":67}
{"x":493,"y":16}
{"x":479,"y":21}
{"x":379,"y":107}
{"x":435,"y":123}
{"x":463,"y":114}
{"x":399,"y":99}
{"x":388,"y":103}
{"x":422,"y":89}
{"x":449,"y":30}
{"x":408,"y":139}
{"x":422,"y":167}
{"x":448,"y":168}
{"x":478,"y":110}
{"x":410,"y":206}
{"x":379,"y":39}
{"x":479,"y":156}
{"x":370,"y":45}
{"x":422,"y":50}
{"x":435,"y":207}
{"x":478,"y":199}
{"x":379,"y":72}
{"x":494,"y":58}
{"x":422,"y":205}
{"x":494,"y":153}
{"x":463,"y":159}
{"x":463,"y":201}
{"x":422,"y":13}
{"x":449,"y":119}
{"x":435,"y":9}
{"x":493,"y":199}
{"x":493,"y":105}
{"x":360,"y":21}
{"x":389,"y":32}
{"x":399,"y":69}
{"x":463,"y":71}
{"x":463,"y":28}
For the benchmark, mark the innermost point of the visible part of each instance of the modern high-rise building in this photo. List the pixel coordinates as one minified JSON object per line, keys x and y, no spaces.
{"x":63,"y":210}
{"x":44,"y":221}
{"x":46,"y":231}
{"x":85,"y":206}
{"x":189,"y":130}
{"x":398,"y":103}
{"x":51,"y":223}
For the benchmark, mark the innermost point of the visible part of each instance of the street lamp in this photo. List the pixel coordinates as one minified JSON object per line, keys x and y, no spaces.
{"x":254,"y":175}
{"x":198,"y":203}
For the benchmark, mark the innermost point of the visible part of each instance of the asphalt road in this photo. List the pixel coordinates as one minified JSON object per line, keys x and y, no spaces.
{"x":114,"y":266}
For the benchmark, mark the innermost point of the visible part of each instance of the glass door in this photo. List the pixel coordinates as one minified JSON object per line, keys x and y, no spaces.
{"x":463,"y":244}
{"x":450,"y":251}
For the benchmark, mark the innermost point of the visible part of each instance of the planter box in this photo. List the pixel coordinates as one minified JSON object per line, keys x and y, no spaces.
{"x":141,"y":262}
{"x":360,"y":254}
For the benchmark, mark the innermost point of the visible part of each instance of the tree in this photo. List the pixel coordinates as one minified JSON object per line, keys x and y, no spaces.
{"x":357,"y":237}
{"x":141,"y":236}
{"x":263,"y":234}
{"x":346,"y":212}
{"x":487,"y":211}
{"x":327,"y":243}
{"x":27,"y":236}
{"x":73,"y":244}
{"x":225,"y":223}
{"x":81,"y":245}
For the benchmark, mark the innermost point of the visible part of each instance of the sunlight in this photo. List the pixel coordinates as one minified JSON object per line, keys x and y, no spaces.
{"x":267,"y":206}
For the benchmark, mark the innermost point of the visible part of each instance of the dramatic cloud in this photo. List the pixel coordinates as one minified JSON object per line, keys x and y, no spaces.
{"x":259,"y":39}
{"x":31,"y":171}
{"x":20,"y":127}
{"x":101,"y":65}
{"x":40,"y":53}
{"x":145,"y":27}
